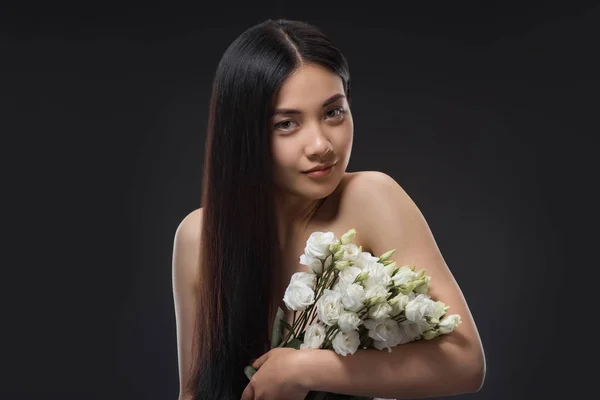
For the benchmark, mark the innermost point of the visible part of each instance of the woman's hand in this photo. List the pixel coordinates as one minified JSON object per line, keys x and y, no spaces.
{"x":278,"y":377}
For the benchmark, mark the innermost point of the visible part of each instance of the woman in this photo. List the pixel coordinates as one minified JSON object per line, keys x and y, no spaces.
{"x":279,"y":140}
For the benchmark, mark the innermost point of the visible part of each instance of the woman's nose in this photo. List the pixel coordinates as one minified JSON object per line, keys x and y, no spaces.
{"x":319,"y":145}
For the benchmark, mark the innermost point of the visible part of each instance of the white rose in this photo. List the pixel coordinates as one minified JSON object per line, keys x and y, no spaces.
{"x":419,"y":307}
{"x":353,"y":297}
{"x":345,"y":343}
{"x":313,"y":263}
{"x":349,"y":321}
{"x":304,"y":278}
{"x":404,"y":276}
{"x":449,"y":323}
{"x":365,"y":259}
{"x":380,"y":311}
{"x":317,"y":245}
{"x":329,"y":307}
{"x":314,"y":336}
{"x":351,"y":252}
{"x":298,"y":297}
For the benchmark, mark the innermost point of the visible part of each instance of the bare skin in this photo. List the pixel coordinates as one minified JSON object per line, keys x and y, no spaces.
{"x":334,"y":215}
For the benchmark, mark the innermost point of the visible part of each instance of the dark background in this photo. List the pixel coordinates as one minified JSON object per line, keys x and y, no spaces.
{"x":485,"y":114}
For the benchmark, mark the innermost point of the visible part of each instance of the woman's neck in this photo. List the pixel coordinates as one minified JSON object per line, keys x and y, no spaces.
{"x":294,"y":214}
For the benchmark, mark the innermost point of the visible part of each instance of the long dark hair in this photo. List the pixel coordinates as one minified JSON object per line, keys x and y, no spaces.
{"x":240,"y":247}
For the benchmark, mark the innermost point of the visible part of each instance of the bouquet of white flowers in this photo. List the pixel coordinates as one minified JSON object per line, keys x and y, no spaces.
{"x":348,"y":299}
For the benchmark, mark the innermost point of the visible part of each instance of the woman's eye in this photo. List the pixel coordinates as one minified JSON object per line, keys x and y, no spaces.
{"x":338,"y":112}
{"x":333,"y":113}
{"x":285,"y":125}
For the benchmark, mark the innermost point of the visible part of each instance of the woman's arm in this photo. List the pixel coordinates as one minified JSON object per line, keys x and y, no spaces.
{"x":447,"y":365}
{"x":444,"y":366}
{"x":185,"y":268}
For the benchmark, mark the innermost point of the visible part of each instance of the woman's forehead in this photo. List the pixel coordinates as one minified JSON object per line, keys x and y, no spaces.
{"x":308,"y":87}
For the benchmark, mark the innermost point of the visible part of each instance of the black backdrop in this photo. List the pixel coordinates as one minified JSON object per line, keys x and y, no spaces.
{"x":485,"y":114}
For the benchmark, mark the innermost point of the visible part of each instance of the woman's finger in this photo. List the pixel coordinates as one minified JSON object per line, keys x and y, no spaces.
{"x":248,"y":393}
{"x":261,"y":360}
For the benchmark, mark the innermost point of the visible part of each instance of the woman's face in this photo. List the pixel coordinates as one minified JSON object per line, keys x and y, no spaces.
{"x":312,"y":126}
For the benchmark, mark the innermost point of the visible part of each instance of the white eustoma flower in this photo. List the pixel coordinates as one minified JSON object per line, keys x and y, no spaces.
{"x":351,"y":252}
{"x":420,"y":307}
{"x":365,"y":259}
{"x":380,"y":311}
{"x":349,"y":274}
{"x":404,"y":276}
{"x":305,"y":278}
{"x":314,"y":336}
{"x":411,"y":331}
{"x":313,"y":263}
{"x":353,"y":296}
{"x":377,"y":276}
{"x":345,"y":343}
{"x":449,"y":323}
{"x":349,"y":321}
{"x":298,"y":297}
{"x":385,"y":334}
{"x":329,"y":307}
{"x":317,"y":245}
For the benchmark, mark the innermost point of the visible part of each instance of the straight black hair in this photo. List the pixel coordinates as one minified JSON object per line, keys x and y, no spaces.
{"x":240,"y":245}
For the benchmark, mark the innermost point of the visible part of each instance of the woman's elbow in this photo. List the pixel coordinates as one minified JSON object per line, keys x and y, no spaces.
{"x":476,"y":375}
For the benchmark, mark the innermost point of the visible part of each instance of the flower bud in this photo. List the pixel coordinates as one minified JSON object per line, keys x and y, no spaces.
{"x":341,"y":264}
{"x":348,"y":236}
{"x":361,"y":277}
{"x":390,"y":269}
{"x":422,"y":285}
{"x":328,"y":262}
{"x":386,"y":256}
{"x":449,"y":323}
{"x":433,"y":333}
{"x":339,"y":254}
{"x":334,"y":247}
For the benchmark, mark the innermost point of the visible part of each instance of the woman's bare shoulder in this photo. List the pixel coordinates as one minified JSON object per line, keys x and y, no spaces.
{"x":360,"y":187}
{"x":367,"y":198}
{"x":186,"y":246}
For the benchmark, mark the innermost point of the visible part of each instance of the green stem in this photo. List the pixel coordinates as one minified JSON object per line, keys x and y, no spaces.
{"x":321,"y":284}
{"x":331,"y":332}
{"x":293,"y":331}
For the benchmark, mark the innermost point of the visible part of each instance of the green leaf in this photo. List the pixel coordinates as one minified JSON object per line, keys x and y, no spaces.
{"x":249,"y":371}
{"x":276,"y":334}
{"x":294,"y":343}
{"x":288,"y":326}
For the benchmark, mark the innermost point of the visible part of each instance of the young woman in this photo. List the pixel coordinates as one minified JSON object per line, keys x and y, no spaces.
{"x":279,"y":140}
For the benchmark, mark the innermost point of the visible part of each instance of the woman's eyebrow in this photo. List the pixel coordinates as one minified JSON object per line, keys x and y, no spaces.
{"x":288,"y":111}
